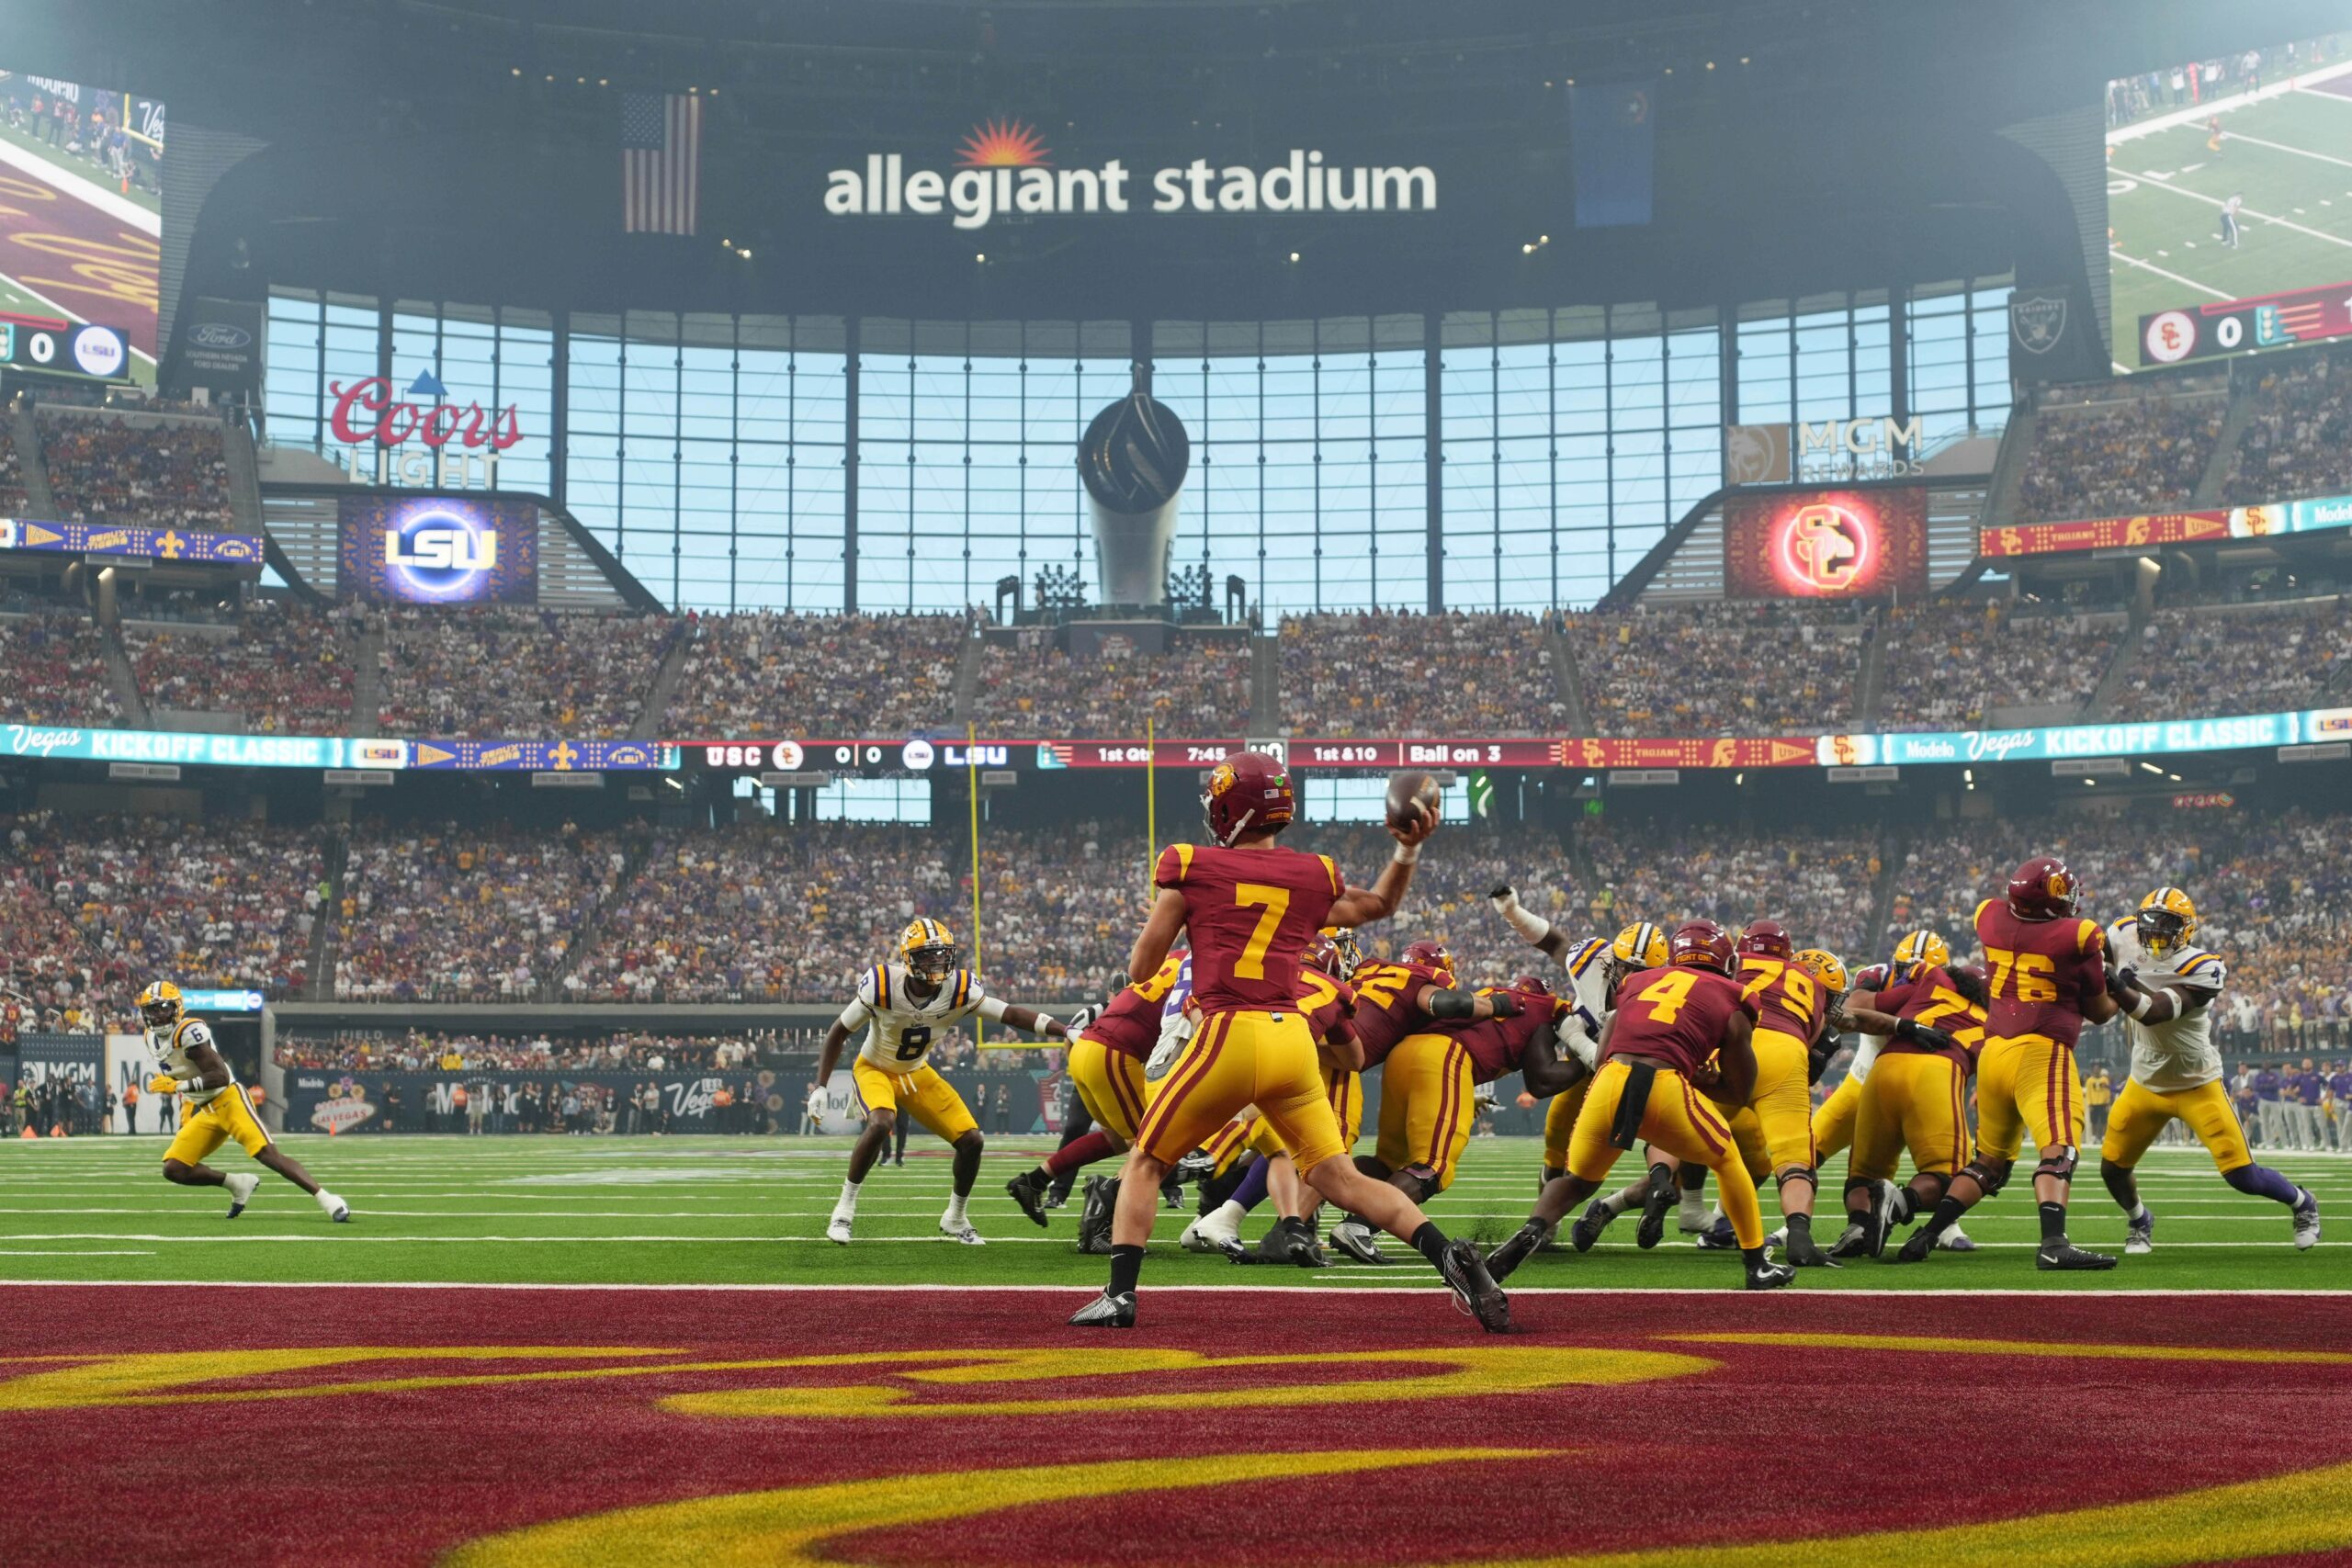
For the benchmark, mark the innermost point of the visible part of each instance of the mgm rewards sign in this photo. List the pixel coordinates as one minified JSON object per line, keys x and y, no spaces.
{"x":1002,"y":167}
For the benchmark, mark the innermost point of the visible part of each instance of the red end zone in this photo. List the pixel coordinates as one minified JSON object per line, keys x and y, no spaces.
{"x":970,"y":1426}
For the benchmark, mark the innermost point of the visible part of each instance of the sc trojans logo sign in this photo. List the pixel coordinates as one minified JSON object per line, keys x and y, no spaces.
{"x":1826,"y":546}
{"x":1858,"y":542}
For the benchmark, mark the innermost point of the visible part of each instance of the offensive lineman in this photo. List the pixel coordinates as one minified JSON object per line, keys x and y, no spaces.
{"x":910,"y":1004}
{"x":218,"y":1110}
{"x":2166,"y":985}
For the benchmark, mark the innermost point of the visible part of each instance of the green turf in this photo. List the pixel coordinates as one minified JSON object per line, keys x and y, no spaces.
{"x":95,"y":175}
{"x":667,"y":1211}
{"x":2297,"y":220}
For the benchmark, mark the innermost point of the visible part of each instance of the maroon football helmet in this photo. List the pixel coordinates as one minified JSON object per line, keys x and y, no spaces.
{"x":2043,"y":889}
{"x":1534,"y":983}
{"x":1432,"y":954}
{"x":1323,"y":954}
{"x":1767,"y":939}
{"x":1700,"y":942}
{"x":1249,"y":792}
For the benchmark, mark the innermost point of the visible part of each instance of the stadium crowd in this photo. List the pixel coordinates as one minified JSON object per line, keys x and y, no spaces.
{"x":478,"y":912}
{"x":426,"y":1051}
{"x":1199,"y":689}
{"x":1817,"y":882}
{"x":2263,"y":660}
{"x":213,"y":903}
{"x":2145,"y":455}
{"x":288,"y":668}
{"x":1716,"y":669}
{"x":56,"y":667}
{"x":2298,"y":437}
{"x":495,"y":672}
{"x":835,"y":676}
{"x":12,"y":471}
{"x":1384,"y":672}
{"x":1946,"y":666}
{"x":149,"y":472}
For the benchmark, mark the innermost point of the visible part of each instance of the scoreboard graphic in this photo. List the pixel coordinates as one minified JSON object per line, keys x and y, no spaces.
{"x":2231,"y":326}
{"x":1826,"y":544}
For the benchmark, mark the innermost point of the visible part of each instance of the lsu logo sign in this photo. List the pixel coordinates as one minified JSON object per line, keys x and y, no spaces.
{"x":438,"y":550}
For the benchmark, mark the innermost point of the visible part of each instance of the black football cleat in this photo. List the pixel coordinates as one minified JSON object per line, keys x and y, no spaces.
{"x":1879,"y":1228}
{"x":1718,"y":1237}
{"x":1237,"y":1251}
{"x":1590,"y":1223}
{"x":1515,"y":1249}
{"x":1306,"y":1251}
{"x":2060,"y":1253}
{"x":1109,"y":1310}
{"x":1767,"y":1276}
{"x":1475,"y":1288}
{"x":1917,"y":1247}
{"x":1852,"y":1242}
{"x":1028,"y":1195}
{"x":1805,"y":1253}
{"x":1651,"y":1229}
{"x":1094,"y":1219}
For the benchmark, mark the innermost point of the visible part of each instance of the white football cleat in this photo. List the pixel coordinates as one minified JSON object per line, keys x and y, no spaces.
{"x":1777,"y":1239}
{"x":334,"y":1208}
{"x":1956,"y":1240}
{"x":960,"y":1231}
{"x":2306,"y":1221}
{"x":1695,"y":1216}
{"x":837,"y":1228}
{"x":241,"y":1191}
{"x":1208,"y":1234}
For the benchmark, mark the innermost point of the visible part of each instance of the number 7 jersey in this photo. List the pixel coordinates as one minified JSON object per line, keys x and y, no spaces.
{"x":905,"y":1029}
{"x":1250,"y":913}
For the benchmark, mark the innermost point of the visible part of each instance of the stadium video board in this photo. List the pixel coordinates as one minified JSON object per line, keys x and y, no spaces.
{"x":438,"y":549}
{"x":1826,"y":544}
{"x":81,"y":227}
{"x":2228,"y":229}
{"x":2152,"y":529}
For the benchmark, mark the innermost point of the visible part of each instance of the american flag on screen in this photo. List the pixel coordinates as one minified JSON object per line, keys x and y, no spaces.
{"x":660,"y":161}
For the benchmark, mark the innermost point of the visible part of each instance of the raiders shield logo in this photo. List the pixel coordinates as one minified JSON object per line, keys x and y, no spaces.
{"x":2038,"y":321}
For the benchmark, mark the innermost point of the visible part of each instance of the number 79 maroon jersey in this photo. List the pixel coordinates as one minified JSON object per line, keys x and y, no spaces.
{"x":2041,"y":974}
{"x":1250,"y":913}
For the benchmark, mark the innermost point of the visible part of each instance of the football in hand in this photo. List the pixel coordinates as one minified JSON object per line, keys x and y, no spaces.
{"x":1413,"y":797}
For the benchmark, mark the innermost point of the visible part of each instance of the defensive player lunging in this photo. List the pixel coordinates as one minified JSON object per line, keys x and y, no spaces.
{"x":910,"y":1005}
{"x":1252,"y":908}
{"x":2166,"y":985}
{"x":218,"y":1110}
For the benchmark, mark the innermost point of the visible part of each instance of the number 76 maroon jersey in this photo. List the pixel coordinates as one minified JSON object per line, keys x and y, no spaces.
{"x":2041,"y":974}
{"x":1250,"y":913}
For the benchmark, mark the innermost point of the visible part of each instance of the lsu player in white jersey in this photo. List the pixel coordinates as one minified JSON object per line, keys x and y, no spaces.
{"x":904,"y":1008}
{"x":217,"y":1109}
{"x":2166,"y":985}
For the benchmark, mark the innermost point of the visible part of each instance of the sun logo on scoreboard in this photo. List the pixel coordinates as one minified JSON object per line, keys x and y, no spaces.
{"x":1002,"y":144}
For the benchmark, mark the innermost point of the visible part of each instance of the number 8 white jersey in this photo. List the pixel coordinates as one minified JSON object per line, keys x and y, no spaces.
{"x":905,"y":1029}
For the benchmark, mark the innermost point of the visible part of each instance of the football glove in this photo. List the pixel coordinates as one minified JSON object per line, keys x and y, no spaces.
{"x":1076,"y":1023}
{"x":1926,"y":1038}
{"x":817,"y":1100}
{"x":1503,"y":899}
{"x":1506,"y":1004}
{"x":163,"y":1083}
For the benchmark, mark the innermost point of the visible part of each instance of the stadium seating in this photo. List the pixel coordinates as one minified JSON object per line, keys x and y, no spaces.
{"x":2112,"y":458}
{"x":494,"y":672}
{"x":2298,"y":438}
{"x":1394,"y":673}
{"x":418,"y":1051}
{"x":1946,"y":666}
{"x":1817,"y":882}
{"x":1200,"y":689}
{"x":287,"y":669}
{"x":474,"y":913}
{"x":137,"y":470}
{"x":1717,"y":669}
{"x":56,"y":669}
{"x":2255,"y":659}
{"x":835,"y":676}
{"x":12,"y":471}
{"x":217,"y":903}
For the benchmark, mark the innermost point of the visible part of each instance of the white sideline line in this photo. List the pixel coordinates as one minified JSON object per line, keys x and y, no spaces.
{"x":2152,"y":181}
{"x":2160,"y":272}
{"x":82,"y":188}
{"x":2282,"y":147}
{"x":1431,"y":1290}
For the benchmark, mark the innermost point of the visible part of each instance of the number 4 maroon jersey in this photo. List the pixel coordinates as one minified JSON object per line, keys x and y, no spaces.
{"x":1675,"y":1017}
{"x":1250,"y":913}
{"x":2041,"y":974}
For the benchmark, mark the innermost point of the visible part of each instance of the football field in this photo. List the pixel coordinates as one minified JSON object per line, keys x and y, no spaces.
{"x":637,"y":1352}
{"x":738,"y":1210}
{"x":2290,"y":159}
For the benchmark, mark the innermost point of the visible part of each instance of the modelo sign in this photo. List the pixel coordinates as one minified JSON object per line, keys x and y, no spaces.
{"x":1003,"y":168}
{"x":399,"y":440}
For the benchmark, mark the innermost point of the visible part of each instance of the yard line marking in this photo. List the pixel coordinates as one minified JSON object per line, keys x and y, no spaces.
{"x":69,"y":1252}
{"x":2156,"y":182}
{"x":2160,"y":272}
{"x":1429,"y":1290}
